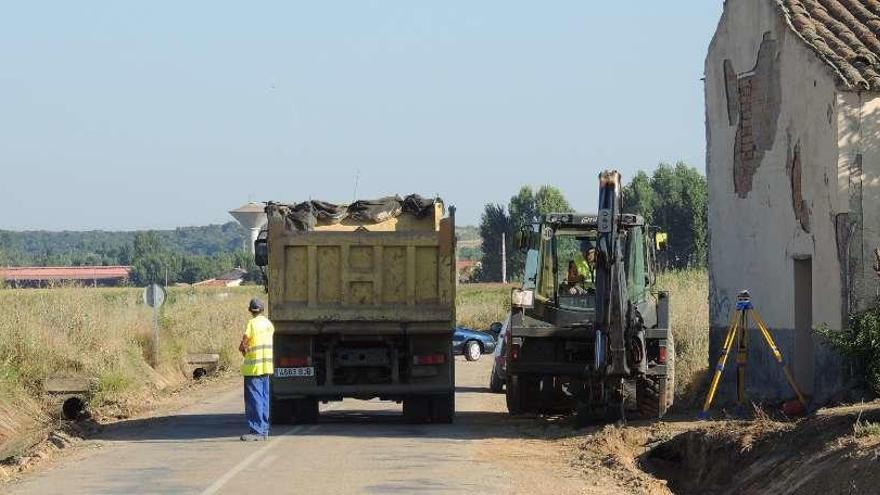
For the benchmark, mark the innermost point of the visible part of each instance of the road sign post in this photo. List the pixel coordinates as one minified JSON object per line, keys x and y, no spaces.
{"x":154,"y":297}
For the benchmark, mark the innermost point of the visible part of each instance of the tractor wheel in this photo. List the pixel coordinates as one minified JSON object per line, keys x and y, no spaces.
{"x":652,"y":403}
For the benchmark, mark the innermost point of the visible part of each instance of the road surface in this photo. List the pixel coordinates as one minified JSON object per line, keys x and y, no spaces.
{"x":359,"y":447}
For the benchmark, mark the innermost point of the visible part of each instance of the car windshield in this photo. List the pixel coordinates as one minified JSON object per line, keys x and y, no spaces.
{"x":565,"y":273}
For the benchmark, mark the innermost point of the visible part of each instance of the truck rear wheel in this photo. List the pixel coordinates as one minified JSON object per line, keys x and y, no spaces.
{"x":417,"y":410}
{"x":306,"y":411}
{"x":443,"y":408}
{"x":281,"y":412}
{"x":655,"y":394}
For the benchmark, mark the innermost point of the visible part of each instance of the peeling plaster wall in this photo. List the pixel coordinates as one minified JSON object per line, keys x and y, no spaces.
{"x":787,"y":211}
{"x":859,"y":165}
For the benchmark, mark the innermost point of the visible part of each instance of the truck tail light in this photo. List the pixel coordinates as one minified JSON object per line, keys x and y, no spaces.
{"x":515,"y":345}
{"x":429,"y":359}
{"x":295,"y":361}
{"x":514,"y":352}
{"x":661,"y":356}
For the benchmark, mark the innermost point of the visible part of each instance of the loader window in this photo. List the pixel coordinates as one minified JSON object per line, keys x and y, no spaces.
{"x":636,"y":273}
{"x":558,"y":282}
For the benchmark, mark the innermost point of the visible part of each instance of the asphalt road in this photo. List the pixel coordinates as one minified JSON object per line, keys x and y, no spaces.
{"x":359,"y":447}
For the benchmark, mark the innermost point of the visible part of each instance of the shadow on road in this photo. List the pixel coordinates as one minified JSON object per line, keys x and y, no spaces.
{"x":382,"y":423}
{"x":479,"y":390}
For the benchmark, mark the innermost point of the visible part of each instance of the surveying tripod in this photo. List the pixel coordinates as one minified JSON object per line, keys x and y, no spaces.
{"x":739,"y":331}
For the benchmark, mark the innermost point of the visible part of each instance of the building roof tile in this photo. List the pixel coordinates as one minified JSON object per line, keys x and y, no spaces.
{"x":844,"y":33}
{"x":65,"y":273}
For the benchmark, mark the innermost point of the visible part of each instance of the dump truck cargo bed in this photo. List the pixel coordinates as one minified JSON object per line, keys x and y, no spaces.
{"x":363,"y":305}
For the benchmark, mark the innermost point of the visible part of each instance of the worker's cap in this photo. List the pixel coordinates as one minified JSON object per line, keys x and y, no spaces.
{"x":587,"y":244}
{"x":256,"y":305}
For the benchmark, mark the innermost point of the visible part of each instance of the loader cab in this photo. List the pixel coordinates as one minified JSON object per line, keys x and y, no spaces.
{"x":558,"y":241}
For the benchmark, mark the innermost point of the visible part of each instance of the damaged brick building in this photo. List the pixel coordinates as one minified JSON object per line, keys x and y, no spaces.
{"x":793,"y":162}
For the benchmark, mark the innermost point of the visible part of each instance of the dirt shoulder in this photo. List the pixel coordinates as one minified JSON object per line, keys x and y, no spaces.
{"x":46,"y":444}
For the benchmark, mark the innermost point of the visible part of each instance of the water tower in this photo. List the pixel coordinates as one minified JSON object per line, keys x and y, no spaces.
{"x":251,"y":216}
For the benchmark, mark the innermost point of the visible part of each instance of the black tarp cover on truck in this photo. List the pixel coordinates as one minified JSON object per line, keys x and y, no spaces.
{"x":310,"y":214}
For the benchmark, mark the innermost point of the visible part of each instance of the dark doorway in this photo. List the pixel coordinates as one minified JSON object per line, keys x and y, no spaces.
{"x":802,"y":360}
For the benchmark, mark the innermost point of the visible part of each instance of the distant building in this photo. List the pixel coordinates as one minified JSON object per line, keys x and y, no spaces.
{"x":793,"y":154}
{"x":232,"y":278}
{"x":49,"y":276}
{"x":466,"y":269}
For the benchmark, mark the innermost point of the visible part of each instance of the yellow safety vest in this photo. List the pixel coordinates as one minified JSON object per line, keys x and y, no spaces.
{"x":258,"y":360}
{"x":584,"y":269}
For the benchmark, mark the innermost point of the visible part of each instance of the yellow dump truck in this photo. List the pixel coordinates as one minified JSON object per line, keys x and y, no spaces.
{"x":363,"y":301}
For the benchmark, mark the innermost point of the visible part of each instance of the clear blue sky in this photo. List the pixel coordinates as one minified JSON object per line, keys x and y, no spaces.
{"x":124,"y":115}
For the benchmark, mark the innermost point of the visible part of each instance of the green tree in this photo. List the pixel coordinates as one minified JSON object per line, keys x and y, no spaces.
{"x":152,"y":262}
{"x":673,"y":199}
{"x":526,"y":207}
{"x":493,"y":223}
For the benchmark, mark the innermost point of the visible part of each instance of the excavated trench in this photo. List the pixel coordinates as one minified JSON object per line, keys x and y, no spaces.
{"x":815,"y":456}
{"x":694,"y":462}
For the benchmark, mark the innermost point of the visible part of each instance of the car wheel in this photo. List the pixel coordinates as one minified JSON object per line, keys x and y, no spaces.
{"x":472,"y":350}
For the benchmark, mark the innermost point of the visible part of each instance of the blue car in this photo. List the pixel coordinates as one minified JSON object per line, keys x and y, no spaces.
{"x":472,"y":343}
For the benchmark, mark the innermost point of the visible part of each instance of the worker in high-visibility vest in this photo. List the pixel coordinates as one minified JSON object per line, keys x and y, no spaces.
{"x":586,"y":261}
{"x":256,"y":347}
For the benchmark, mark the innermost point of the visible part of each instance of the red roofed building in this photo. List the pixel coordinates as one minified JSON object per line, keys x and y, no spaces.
{"x":466,"y":269}
{"x":42,"y":276}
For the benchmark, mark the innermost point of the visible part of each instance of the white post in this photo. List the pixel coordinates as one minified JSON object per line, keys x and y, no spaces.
{"x":503,"y":258}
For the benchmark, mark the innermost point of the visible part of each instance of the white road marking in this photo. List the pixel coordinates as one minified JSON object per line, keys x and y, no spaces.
{"x":269,"y":459}
{"x":217,"y":485}
{"x":221,"y":482}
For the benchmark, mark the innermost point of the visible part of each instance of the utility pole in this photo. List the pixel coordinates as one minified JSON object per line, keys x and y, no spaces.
{"x":503,"y":258}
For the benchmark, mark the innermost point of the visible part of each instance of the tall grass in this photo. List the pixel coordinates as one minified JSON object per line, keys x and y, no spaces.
{"x":689,"y":292}
{"x":105,"y":335}
{"x":480,"y":305}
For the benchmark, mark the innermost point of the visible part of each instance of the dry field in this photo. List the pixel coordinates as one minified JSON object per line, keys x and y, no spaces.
{"x":105,"y":335}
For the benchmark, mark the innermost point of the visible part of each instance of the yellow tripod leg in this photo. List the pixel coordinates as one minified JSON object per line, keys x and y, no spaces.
{"x":777,"y":354}
{"x":742,"y":358}
{"x":722,"y":361}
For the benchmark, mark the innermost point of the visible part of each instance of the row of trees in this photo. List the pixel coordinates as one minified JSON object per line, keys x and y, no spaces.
{"x":673,"y":199}
{"x":522,"y":209}
{"x":154,"y":261}
{"x":187,"y":254}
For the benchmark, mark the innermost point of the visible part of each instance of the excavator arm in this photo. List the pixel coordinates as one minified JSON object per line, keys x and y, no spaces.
{"x":611,"y":287}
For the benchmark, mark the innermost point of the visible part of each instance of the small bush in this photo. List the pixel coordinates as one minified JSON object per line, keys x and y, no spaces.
{"x":860,"y":340}
{"x":863,"y":429}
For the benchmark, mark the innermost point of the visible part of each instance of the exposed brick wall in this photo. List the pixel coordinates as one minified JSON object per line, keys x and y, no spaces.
{"x":795,"y":173}
{"x":758,"y":96}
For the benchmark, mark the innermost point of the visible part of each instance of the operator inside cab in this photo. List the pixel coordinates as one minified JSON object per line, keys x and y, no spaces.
{"x":579,"y":279}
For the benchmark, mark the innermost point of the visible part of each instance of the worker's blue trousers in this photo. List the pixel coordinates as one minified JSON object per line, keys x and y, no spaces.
{"x":256,"y":403}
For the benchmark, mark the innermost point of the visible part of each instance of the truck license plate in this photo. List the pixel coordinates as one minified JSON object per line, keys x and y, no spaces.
{"x":289,"y":372}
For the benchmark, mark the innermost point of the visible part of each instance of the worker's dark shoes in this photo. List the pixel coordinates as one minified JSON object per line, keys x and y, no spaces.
{"x":250,"y":437}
